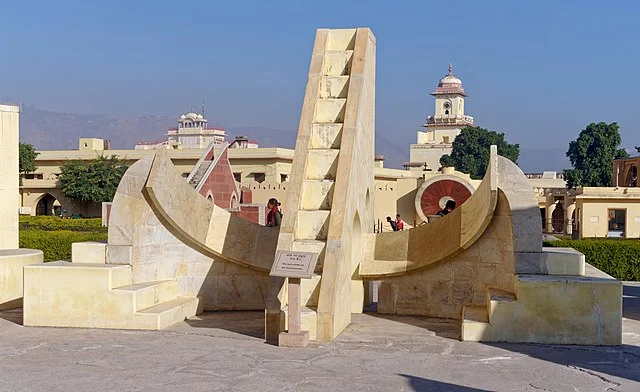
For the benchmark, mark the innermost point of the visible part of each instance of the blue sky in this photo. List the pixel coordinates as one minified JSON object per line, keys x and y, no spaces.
{"x":539,"y":71}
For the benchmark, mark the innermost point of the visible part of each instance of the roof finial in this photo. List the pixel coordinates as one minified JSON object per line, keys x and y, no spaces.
{"x":450,"y":69}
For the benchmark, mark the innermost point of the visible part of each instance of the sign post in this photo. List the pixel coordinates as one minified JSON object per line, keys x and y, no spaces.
{"x":294,"y":266}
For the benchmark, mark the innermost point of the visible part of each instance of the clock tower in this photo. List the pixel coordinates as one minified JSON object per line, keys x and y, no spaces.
{"x":442,"y":127}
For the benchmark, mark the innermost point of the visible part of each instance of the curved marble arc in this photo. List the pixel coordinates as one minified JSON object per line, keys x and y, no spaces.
{"x":396,"y":253}
{"x":201,"y":224}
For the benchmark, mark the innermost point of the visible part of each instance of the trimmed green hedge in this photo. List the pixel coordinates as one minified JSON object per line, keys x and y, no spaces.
{"x":619,"y":258}
{"x":56,"y":245}
{"x":54,"y":235}
{"x":56,"y":223}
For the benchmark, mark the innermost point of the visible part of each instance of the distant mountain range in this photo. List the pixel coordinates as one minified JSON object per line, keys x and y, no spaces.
{"x":48,"y":130}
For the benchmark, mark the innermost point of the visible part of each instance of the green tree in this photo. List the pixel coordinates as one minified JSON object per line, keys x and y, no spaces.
{"x":470,"y":151}
{"x":93,"y":181}
{"x":591,"y":155}
{"x":27,"y":156}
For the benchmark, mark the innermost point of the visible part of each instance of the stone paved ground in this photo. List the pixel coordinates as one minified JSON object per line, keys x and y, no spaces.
{"x":223,"y":352}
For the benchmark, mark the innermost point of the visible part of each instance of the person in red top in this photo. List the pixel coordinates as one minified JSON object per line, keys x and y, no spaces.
{"x":399,"y":223}
{"x":274,"y":217}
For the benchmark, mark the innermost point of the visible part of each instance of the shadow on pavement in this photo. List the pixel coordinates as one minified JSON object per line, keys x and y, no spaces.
{"x":599,"y":361}
{"x":423,"y":384}
{"x":631,"y":300}
{"x":12,"y":315}
{"x":249,"y":323}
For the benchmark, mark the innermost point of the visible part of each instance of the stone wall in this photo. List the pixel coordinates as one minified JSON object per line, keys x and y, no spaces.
{"x":9,"y":195}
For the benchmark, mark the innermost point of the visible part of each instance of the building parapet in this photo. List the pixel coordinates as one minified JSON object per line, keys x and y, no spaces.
{"x":606,"y":193}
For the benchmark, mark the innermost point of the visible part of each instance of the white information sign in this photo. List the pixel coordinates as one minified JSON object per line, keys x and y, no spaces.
{"x":595,"y":219}
{"x":291,"y":264}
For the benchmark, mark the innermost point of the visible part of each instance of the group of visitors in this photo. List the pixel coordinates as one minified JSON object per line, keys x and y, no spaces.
{"x":396,"y":225}
{"x":274,"y":216}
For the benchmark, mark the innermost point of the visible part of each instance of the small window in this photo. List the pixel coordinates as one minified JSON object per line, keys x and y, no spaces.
{"x":617,"y":221}
{"x":446,"y":112}
{"x":284,"y":177}
{"x":259,"y":177}
{"x":445,"y":139}
{"x":237,"y":177}
{"x":185,"y":175}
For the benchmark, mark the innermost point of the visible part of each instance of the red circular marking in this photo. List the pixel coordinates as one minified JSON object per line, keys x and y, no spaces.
{"x":430,"y":198}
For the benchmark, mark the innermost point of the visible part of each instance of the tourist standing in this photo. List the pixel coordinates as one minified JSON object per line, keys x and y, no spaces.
{"x":399,"y":223}
{"x":392,"y":223}
{"x":274,"y":217}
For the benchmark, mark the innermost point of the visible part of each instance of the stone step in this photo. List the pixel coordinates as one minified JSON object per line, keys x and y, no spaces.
{"x":500,"y":295}
{"x":317,"y":194}
{"x":326,"y":135}
{"x":147,"y":294}
{"x":168,"y":313}
{"x":475,"y":323}
{"x":498,"y":298}
{"x":89,"y":252}
{"x":312,"y":225}
{"x":310,"y":291}
{"x":99,"y":276}
{"x":334,"y":86}
{"x":341,"y":39}
{"x":308,"y":320}
{"x":322,"y":164}
{"x":330,"y":110}
{"x":337,"y":62}
{"x":315,"y":246}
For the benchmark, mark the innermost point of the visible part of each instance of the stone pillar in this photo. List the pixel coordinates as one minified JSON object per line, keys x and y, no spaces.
{"x":568,"y":218}
{"x":548,"y":220}
{"x":9,"y":193}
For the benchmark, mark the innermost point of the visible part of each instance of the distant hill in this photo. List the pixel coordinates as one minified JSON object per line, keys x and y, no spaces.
{"x":48,"y":130}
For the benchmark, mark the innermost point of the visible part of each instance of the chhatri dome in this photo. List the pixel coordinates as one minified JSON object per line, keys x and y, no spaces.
{"x":449,"y":84}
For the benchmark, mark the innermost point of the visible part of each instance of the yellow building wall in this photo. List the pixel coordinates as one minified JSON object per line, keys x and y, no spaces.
{"x":594,"y":221}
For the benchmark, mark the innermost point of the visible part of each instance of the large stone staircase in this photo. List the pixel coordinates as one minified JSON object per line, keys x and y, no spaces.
{"x":320,"y":167}
{"x":99,"y":295}
{"x":194,"y":179}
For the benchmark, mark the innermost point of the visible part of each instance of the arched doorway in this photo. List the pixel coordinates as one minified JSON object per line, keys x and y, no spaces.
{"x":557,"y":218}
{"x":48,"y":205}
{"x":357,"y":284}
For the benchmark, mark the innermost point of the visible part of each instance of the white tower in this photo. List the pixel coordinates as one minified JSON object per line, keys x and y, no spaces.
{"x":443,"y":126}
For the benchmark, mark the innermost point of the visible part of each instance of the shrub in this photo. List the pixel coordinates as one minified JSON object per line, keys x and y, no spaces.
{"x":56,"y":223}
{"x":56,"y":245}
{"x":619,"y":258}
